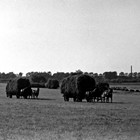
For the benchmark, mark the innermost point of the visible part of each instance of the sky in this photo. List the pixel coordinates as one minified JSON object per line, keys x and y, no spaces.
{"x":68,"y":35}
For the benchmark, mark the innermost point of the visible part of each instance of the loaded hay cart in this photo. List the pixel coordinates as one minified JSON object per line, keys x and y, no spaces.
{"x":15,"y":86}
{"x":76,"y":87}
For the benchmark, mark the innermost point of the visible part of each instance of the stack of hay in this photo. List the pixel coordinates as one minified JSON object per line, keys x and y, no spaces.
{"x":76,"y":86}
{"x":14,"y":87}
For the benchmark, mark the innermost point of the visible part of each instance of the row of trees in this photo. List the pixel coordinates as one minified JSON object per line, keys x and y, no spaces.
{"x":42,"y":77}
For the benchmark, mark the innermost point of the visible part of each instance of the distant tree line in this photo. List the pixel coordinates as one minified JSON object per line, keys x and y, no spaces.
{"x":4,"y":77}
{"x":42,"y":77}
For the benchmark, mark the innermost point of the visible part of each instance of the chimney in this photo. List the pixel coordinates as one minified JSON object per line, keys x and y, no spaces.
{"x":131,"y":71}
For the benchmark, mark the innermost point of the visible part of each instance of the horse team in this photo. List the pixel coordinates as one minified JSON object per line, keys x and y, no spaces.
{"x":32,"y":93}
{"x":99,"y":95}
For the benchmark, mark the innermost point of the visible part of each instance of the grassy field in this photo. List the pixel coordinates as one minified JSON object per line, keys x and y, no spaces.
{"x":50,"y":118}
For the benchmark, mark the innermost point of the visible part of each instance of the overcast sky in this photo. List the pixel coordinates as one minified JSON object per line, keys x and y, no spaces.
{"x":67,"y":35}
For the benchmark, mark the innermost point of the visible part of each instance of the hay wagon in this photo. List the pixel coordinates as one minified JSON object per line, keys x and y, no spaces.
{"x":15,"y":86}
{"x":76,"y":86}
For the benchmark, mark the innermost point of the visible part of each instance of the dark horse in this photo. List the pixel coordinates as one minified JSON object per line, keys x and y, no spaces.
{"x":27,"y":91}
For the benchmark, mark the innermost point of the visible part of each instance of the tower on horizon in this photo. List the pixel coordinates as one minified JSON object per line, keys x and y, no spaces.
{"x":131,"y":71}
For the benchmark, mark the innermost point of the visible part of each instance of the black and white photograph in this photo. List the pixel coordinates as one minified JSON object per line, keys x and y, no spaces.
{"x":69,"y":69}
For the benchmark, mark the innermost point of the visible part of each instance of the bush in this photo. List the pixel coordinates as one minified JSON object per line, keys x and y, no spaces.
{"x":37,"y":85}
{"x":52,"y":84}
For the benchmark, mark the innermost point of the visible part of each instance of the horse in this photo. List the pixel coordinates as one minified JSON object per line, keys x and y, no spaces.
{"x":107,"y":94}
{"x":25,"y":92}
{"x":97,"y":94}
{"x":35,"y":93}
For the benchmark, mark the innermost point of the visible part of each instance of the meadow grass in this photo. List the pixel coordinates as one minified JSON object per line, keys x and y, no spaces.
{"x":50,"y":118}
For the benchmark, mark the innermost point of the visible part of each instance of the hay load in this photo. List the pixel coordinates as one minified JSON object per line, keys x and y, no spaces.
{"x":15,"y":86}
{"x":76,"y":86}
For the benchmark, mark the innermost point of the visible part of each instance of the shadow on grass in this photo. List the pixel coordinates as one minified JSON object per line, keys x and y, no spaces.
{"x":42,"y":99}
{"x":45,"y":99}
{"x":102,"y":102}
{"x":120,"y":102}
{"x":110,"y":102}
